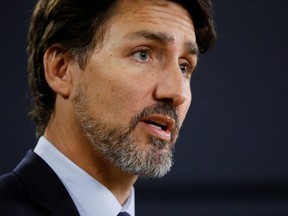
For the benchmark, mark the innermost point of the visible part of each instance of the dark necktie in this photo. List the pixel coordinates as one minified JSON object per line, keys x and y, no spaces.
{"x":123,"y":214}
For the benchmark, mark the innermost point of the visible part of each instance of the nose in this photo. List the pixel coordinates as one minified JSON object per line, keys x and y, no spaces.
{"x":173,"y":86}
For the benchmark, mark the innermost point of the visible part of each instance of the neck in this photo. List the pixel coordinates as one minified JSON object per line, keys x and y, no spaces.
{"x":71,"y":142}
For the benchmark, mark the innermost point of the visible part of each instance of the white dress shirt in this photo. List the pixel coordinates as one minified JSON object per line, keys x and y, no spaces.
{"x":90,"y":196}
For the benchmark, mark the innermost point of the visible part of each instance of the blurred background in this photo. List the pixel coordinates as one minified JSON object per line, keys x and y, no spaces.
{"x":232,"y":156}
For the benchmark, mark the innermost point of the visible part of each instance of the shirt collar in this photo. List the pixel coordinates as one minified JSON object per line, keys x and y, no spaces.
{"x":90,"y":196}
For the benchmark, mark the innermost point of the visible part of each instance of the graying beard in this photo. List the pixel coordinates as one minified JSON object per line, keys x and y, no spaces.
{"x":124,"y":154}
{"x":118,"y":146}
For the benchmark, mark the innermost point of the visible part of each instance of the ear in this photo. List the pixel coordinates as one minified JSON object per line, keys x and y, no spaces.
{"x":57,"y":75}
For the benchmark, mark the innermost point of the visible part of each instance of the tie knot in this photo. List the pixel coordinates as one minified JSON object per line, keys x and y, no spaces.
{"x":123,"y":214}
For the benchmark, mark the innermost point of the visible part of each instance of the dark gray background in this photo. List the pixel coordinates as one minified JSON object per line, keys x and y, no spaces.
{"x":231,"y":158}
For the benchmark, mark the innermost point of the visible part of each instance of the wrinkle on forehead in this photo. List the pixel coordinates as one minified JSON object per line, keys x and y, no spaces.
{"x":156,"y":16}
{"x":151,"y":11}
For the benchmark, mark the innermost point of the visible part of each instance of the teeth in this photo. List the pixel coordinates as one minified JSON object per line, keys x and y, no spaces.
{"x":158,"y":124}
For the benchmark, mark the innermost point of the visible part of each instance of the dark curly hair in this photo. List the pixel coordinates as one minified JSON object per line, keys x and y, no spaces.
{"x":74,"y":25}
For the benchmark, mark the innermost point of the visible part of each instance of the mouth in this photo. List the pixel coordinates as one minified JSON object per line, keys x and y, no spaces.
{"x":159,"y":126}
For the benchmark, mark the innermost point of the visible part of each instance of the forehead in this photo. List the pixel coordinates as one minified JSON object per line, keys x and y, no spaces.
{"x":153,"y":14}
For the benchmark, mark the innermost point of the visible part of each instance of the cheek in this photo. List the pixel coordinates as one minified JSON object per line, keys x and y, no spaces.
{"x":116,"y":100}
{"x":128,"y":97}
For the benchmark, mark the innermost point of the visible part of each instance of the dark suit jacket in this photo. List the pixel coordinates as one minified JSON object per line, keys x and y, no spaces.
{"x":32,"y":188}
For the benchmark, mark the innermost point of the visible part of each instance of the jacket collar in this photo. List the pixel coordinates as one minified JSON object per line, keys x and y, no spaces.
{"x":44,"y":187}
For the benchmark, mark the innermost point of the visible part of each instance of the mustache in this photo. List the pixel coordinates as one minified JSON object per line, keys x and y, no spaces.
{"x":162,"y":108}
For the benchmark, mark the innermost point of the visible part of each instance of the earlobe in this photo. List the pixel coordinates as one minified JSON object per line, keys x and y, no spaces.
{"x":57,"y":75}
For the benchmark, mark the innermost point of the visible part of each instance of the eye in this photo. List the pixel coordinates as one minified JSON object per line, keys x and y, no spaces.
{"x":184,"y":68}
{"x":142,"y":55}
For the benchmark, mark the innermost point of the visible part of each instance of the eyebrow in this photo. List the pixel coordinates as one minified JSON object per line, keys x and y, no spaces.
{"x":190,"y":46}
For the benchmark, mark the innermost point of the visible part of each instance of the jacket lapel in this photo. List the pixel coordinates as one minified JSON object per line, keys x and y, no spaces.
{"x":44,"y":187}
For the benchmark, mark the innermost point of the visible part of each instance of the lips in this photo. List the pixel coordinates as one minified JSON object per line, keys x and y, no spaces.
{"x":159,"y":126}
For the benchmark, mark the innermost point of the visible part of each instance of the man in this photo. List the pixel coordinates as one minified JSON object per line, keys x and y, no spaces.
{"x":111,"y":88}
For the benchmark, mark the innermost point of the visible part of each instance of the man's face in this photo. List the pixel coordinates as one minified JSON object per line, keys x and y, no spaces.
{"x":134,"y":93}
